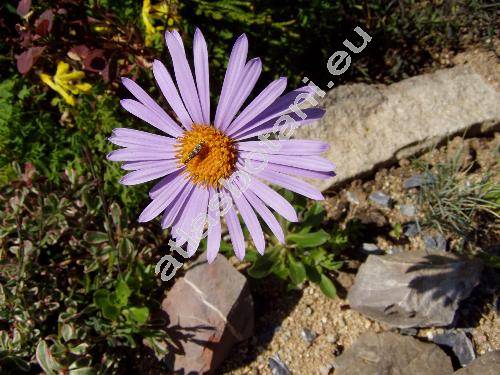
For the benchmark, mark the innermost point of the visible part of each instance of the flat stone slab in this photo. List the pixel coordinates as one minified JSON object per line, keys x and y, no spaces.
{"x":414,"y":288}
{"x":372,"y":125}
{"x":390,"y":353}
{"x":209,"y":309}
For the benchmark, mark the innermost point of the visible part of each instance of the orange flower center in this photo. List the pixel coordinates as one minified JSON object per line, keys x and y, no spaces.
{"x":207,"y":153}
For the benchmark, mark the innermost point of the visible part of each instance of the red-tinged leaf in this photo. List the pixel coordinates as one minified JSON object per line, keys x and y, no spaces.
{"x":28,"y":58}
{"x":29,"y":172}
{"x":23,"y":7}
{"x":26,"y":38}
{"x":105,"y":73}
{"x":43,"y":25}
{"x":95,"y":61}
{"x":142,"y":62}
{"x":79,"y":53}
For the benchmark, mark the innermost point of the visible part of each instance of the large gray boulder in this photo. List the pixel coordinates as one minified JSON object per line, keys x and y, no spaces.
{"x":413,"y":289}
{"x":487,"y":364}
{"x":390,"y":353}
{"x":372,"y":125}
{"x":209,"y":310}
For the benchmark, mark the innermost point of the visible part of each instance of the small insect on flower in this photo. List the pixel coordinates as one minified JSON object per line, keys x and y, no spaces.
{"x":196,"y":150}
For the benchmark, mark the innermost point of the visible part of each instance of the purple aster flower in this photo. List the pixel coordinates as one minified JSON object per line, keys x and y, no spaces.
{"x":212,"y":169}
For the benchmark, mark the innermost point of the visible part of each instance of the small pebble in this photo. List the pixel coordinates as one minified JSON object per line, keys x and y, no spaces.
{"x":411,"y":229}
{"x":435,"y":243}
{"x":380,"y":198}
{"x":308,"y":335}
{"x":331,"y":338}
{"x":419,"y":180}
{"x":395,"y":250}
{"x":352,"y":198}
{"x":277,"y":366}
{"x":408,"y":210}
{"x":371,"y":248}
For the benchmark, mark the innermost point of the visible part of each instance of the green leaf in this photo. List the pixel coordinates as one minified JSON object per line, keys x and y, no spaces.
{"x":125,"y":248}
{"x":110,"y":312}
{"x":122,"y":293}
{"x":280,"y":270}
{"x":332,"y":265}
{"x":306,"y":240}
{"x":158,"y":345}
{"x":296,"y":269}
{"x":139,"y":314}
{"x":314,"y":216}
{"x":313,"y":274}
{"x":116,"y":214}
{"x":95,"y":237}
{"x":101,"y":298}
{"x":68,"y":332}
{"x":316,"y":256}
{"x":327,"y":287}
{"x":264,"y":264}
{"x":45,"y":359}
{"x":79,"y":349}
{"x":225,"y":247}
{"x":251,"y":256}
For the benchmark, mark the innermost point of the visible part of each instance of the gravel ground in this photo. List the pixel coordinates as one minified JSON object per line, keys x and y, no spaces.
{"x":306,"y":330}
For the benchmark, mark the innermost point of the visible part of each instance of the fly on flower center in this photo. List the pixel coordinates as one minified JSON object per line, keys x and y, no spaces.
{"x":208,"y":154}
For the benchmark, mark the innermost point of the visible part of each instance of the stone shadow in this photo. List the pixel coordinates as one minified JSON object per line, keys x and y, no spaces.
{"x":273,"y":304}
{"x":482,"y":298}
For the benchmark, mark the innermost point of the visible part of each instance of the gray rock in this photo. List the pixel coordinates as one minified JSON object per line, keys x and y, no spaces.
{"x":371,"y":248}
{"x":210,"y":309}
{"x":413,"y":289}
{"x":352,"y":197}
{"x":411,"y":229}
{"x":487,"y":364}
{"x":277,"y":366}
{"x":408,"y":210}
{"x":459,"y":343}
{"x":395,"y":250}
{"x":381,"y":199}
{"x":419,"y":180}
{"x":373,"y":125}
{"x":308,"y":335}
{"x":435,"y":244}
{"x":390,"y":353}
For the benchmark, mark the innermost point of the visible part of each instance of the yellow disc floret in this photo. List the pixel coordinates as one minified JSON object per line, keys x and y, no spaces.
{"x":207,"y":153}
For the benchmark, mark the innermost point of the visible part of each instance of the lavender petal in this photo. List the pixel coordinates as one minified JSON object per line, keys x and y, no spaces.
{"x":258,"y":105}
{"x":247,"y":81}
{"x":184,"y":77}
{"x":291,"y":183}
{"x":214,"y":227}
{"x":250,"y":220}
{"x":235,"y":232}
{"x":231,"y":79}
{"x":200,"y":53}
{"x":171,"y":93}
